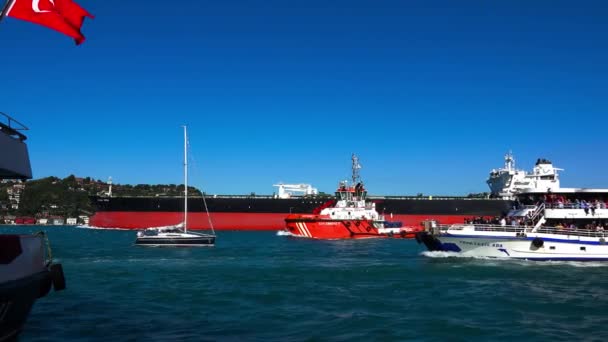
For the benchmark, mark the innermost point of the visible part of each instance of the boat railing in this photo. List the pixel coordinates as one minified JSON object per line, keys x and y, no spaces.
{"x":601,"y":205}
{"x":537,"y":213}
{"x":525,"y":229}
{"x":488,"y":228}
{"x":571,"y":231}
{"x":11,"y":127}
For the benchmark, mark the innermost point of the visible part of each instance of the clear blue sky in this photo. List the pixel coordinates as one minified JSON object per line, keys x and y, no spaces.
{"x":430,"y":94}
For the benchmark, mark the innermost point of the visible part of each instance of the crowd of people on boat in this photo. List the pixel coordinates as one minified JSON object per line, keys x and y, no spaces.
{"x":501,"y":221}
{"x":562,"y":202}
{"x":597,"y":226}
{"x":506,"y":221}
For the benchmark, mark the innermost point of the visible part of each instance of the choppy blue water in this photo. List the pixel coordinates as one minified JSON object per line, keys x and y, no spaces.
{"x":260,"y":286}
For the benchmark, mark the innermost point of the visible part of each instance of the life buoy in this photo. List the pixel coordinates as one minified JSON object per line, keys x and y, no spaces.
{"x":357,"y":223}
{"x":368,"y":228}
{"x":538,"y":242}
{"x":402,"y":234}
{"x":347,"y":223}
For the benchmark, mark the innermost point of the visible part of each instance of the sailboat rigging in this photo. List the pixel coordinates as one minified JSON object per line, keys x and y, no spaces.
{"x":177,"y":235}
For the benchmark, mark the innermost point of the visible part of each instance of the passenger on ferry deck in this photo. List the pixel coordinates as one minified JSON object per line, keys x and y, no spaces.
{"x":585,"y":206}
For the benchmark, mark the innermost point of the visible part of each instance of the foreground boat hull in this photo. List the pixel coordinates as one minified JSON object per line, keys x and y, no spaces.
{"x":16,"y":301}
{"x":25,"y":275}
{"x":531,"y":247}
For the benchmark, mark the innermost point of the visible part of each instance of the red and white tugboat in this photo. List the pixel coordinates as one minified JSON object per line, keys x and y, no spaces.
{"x":352,"y":217}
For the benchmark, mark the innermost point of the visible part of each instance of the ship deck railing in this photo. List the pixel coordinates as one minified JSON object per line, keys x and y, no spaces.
{"x":11,"y":127}
{"x":525,"y":229}
{"x":601,"y":205}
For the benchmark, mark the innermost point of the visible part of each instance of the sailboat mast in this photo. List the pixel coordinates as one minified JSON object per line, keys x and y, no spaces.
{"x":185,"y":180}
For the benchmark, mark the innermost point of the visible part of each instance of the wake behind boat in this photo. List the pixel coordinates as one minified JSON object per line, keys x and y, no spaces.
{"x":177,"y":235}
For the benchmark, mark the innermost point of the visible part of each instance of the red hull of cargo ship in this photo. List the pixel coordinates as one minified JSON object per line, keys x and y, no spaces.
{"x":229,"y":221}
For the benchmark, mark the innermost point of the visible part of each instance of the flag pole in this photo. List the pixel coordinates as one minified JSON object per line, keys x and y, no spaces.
{"x":7,"y":6}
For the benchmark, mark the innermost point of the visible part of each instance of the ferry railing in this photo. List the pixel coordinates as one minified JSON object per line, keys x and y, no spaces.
{"x":525,"y":229}
{"x":537,"y":213}
{"x":487,"y":228}
{"x":11,"y":127}
{"x":600,"y":205}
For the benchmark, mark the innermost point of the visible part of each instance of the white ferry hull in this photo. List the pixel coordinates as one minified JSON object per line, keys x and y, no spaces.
{"x":553,"y":248}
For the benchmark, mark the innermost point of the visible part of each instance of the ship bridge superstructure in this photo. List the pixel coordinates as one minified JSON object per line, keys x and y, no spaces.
{"x":351,"y":199}
{"x":508,"y":181}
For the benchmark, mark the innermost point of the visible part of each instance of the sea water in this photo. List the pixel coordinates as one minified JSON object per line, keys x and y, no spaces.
{"x":259,"y":286}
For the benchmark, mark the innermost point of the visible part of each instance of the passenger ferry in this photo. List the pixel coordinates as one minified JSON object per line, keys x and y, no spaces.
{"x":546,"y":222}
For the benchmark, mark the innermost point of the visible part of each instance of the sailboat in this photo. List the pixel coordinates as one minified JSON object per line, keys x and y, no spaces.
{"x":177,"y":235}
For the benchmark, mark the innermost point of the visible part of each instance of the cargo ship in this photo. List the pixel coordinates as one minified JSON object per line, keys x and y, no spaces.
{"x":256,"y":212}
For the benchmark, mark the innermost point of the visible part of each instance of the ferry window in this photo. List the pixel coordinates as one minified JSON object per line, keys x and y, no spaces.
{"x":552,"y":247}
{"x":547,"y":177}
{"x":583,"y":248}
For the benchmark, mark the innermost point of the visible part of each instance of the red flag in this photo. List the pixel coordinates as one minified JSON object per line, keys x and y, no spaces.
{"x":64,"y":16}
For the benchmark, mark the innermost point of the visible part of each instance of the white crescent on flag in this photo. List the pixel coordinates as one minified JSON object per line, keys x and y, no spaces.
{"x":36,"y":6}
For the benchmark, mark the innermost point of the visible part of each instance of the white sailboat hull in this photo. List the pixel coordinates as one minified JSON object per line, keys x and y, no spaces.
{"x":176,"y":239}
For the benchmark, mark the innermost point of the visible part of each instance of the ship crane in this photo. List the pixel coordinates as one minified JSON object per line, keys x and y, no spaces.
{"x":287,"y":190}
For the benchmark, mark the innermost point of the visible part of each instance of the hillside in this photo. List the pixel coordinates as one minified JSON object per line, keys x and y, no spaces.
{"x":69,"y":197}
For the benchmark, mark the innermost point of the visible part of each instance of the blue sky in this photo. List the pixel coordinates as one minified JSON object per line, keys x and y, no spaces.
{"x":429,"y":94}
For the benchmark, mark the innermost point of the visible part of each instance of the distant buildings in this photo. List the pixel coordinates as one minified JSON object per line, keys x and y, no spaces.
{"x":14,"y":193}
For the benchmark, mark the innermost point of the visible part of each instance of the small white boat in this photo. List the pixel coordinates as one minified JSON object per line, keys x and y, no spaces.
{"x":177,"y":235}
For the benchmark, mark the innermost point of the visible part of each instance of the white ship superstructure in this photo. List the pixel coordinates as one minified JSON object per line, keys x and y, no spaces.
{"x":508,"y":181}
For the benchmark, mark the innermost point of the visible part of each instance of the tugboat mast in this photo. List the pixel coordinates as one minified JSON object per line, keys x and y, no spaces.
{"x":356,"y":167}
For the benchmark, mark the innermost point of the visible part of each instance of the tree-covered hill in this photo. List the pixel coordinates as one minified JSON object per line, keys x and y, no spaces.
{"x":71,"y":196}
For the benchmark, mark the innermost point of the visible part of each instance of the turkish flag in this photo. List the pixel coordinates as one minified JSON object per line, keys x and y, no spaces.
{"x":64,"y":16}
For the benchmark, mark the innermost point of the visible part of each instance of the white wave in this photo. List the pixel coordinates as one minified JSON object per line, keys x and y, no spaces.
{"x":442,"y":254}
{"x":568,"y":263}
{"x":520,"y":262}
{"x":285,"y":233}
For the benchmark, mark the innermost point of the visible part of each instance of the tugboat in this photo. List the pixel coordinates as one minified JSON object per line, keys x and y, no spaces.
{"x":27,"y":271}
{"x":352,"y":216}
